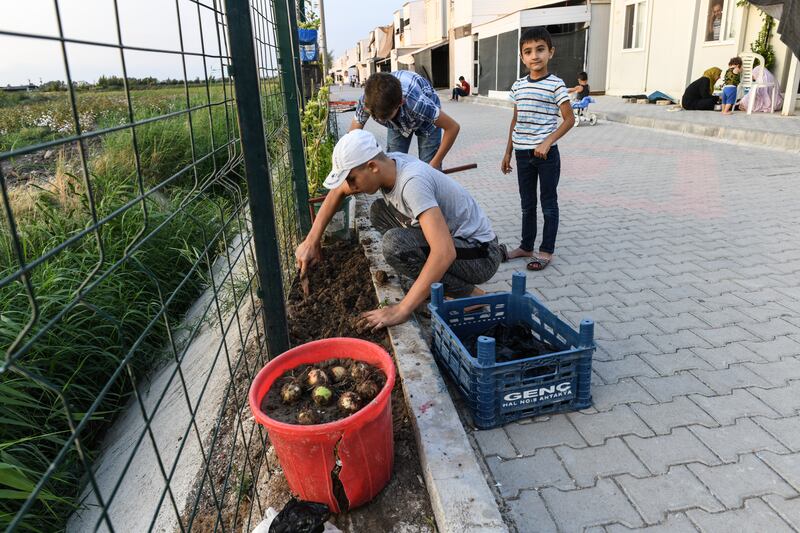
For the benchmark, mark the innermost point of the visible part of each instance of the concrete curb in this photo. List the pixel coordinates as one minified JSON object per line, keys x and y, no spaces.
{"x":460,"y":496}
{"x":745,"y":137}
{"x":755,"y":138}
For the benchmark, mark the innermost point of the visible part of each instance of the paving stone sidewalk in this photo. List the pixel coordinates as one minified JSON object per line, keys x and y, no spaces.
{"x":685,"y":253}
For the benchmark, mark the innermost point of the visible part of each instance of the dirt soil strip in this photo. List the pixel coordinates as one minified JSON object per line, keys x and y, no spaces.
{"x":340,"y":289}
{"x":460,"y":496}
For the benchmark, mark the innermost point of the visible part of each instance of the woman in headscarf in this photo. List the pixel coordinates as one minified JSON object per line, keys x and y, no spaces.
{"x":761,"y":98}
{"x":698,"y":95}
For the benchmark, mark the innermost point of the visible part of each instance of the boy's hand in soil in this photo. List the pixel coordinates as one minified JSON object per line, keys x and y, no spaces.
{"x":505,"y":165}
{"x":385,"y":317}
{"x":307,"y":253}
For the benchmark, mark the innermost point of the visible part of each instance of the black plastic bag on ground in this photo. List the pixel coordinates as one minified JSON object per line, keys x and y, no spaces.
{"x":298,"y":516}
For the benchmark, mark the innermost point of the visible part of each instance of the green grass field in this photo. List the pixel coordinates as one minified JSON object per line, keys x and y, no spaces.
{"x":149,"y":251}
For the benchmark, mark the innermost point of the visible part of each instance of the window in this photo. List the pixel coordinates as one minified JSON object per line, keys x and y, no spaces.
{"x":721,"y":20}
{"x":635,"y":18}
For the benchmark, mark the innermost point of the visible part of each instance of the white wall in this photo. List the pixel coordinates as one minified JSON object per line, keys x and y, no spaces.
{"x":461,"y":13}
{"x":487,"y":10}
{"x":435,"y":20}
{"x":669,"y":46}
{"x":462,"y":50}
{"x":626,"y":68}
{"x":597,"y":52}
{"x":418,"y":35}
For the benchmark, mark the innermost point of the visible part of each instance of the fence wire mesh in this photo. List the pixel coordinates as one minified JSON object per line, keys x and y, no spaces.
{"x":130,"y":304}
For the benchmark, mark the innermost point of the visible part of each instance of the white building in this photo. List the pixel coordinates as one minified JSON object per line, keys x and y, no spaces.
{"x":484,"y":39}
{"x":665,"y":44}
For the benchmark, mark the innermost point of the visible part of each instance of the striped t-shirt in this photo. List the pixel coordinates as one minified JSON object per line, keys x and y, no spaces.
{"x":537,"y":104}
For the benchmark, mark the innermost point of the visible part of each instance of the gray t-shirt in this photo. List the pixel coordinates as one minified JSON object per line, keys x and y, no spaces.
{"x":420,"y":187}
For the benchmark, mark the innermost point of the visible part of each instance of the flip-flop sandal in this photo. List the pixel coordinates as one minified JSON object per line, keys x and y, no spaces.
{"x":538,"y":263}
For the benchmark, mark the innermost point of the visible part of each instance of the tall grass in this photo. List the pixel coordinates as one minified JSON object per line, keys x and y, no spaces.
{"x":147,"y":261}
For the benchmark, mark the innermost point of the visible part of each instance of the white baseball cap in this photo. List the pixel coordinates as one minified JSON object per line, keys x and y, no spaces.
{"x":352,"y":150}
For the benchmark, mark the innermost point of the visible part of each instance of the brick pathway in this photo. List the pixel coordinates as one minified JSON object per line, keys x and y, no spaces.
{"x":685,"y":253}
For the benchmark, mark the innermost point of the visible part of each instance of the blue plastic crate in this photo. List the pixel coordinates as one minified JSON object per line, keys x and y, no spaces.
{"x":498,"y":393}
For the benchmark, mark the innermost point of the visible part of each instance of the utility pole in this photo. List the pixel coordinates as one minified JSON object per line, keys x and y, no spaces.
{"x":323,"y":47}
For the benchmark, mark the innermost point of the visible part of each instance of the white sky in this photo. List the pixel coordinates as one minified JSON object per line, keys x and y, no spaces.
{"x":145,"y":23}
{"x":349,"y":21}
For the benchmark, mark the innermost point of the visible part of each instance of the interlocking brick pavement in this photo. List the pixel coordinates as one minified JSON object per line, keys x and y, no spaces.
{"x":685,"y":252}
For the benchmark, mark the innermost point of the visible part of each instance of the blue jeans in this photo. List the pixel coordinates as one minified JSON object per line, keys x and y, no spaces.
{"x":530,"y":170}
{"x":427,"y":145}
{"x":729,"y":94}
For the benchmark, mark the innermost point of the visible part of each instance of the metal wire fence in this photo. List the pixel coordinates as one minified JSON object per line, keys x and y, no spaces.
{"x":146,"y":217}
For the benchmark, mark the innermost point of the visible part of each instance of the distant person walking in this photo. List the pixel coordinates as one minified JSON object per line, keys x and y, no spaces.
{"x":407,"y":105}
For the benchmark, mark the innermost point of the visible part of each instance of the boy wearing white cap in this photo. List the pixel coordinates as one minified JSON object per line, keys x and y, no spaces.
{"x":433,"y":230}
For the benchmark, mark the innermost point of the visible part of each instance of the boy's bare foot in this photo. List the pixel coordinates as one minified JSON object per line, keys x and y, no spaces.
{"x":519,"y":252}
{"x":727,"y":112}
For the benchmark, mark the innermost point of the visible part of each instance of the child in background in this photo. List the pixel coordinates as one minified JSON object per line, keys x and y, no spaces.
{"x":538,"y":99}
{"x":731,"y":85}
{"x":462,"y":89}
{"x":581,"y":90}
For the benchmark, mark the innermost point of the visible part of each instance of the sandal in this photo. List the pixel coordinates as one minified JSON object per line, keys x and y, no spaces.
{"x":538,"y":263}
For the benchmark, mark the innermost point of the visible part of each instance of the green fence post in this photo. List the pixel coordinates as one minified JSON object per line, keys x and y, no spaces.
{"x":256,"y":160}
{"x":287,"y":54}
{"x":298,"y":66}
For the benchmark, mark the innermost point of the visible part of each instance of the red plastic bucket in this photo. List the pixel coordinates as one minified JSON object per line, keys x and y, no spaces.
{"x":364,"y":441}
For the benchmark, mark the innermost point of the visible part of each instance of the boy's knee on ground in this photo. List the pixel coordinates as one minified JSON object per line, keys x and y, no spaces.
{"x":401,"y":252}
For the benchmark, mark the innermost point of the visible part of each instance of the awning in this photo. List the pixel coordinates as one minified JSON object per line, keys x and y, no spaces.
{"x":408,"y":59}
{"x":788,"y":14}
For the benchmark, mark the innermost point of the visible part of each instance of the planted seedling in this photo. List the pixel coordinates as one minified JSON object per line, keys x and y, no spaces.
{"x":349,"y":402}
{"x":341,"y":387}
{"x":367,"y":389}
{"x":338,"y":373}
{"x":322,"y":395}
{"x":316,"y":378}
{"x":307,"y":417}
{"x":291,"y":392}
{"x":359,"y":371}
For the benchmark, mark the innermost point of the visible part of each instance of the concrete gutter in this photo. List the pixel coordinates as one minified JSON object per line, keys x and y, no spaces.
{"x":460,"y":496}
{"x":774,"y":140}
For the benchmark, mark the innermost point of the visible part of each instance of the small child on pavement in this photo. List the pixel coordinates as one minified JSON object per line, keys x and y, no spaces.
{"x":731,"y":85}
{"x":538,"y":98}
{"x":581,"y":90}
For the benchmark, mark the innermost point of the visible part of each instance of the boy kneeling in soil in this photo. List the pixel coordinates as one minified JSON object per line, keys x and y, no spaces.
{"x":433,"y":230}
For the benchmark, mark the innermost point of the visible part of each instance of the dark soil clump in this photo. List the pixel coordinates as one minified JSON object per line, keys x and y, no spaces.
{"x":381,"y":276}
{"x":511,"y":343}
{"x":341,"y":289}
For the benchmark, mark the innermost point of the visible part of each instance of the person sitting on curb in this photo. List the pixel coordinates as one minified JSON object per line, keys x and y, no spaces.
{"x":433,"y":230}
{"x":407,"y":105}
{"x":462,"y":89}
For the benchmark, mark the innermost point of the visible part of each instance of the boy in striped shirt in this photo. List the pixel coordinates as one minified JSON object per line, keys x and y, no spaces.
{"x":538,"y":98}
